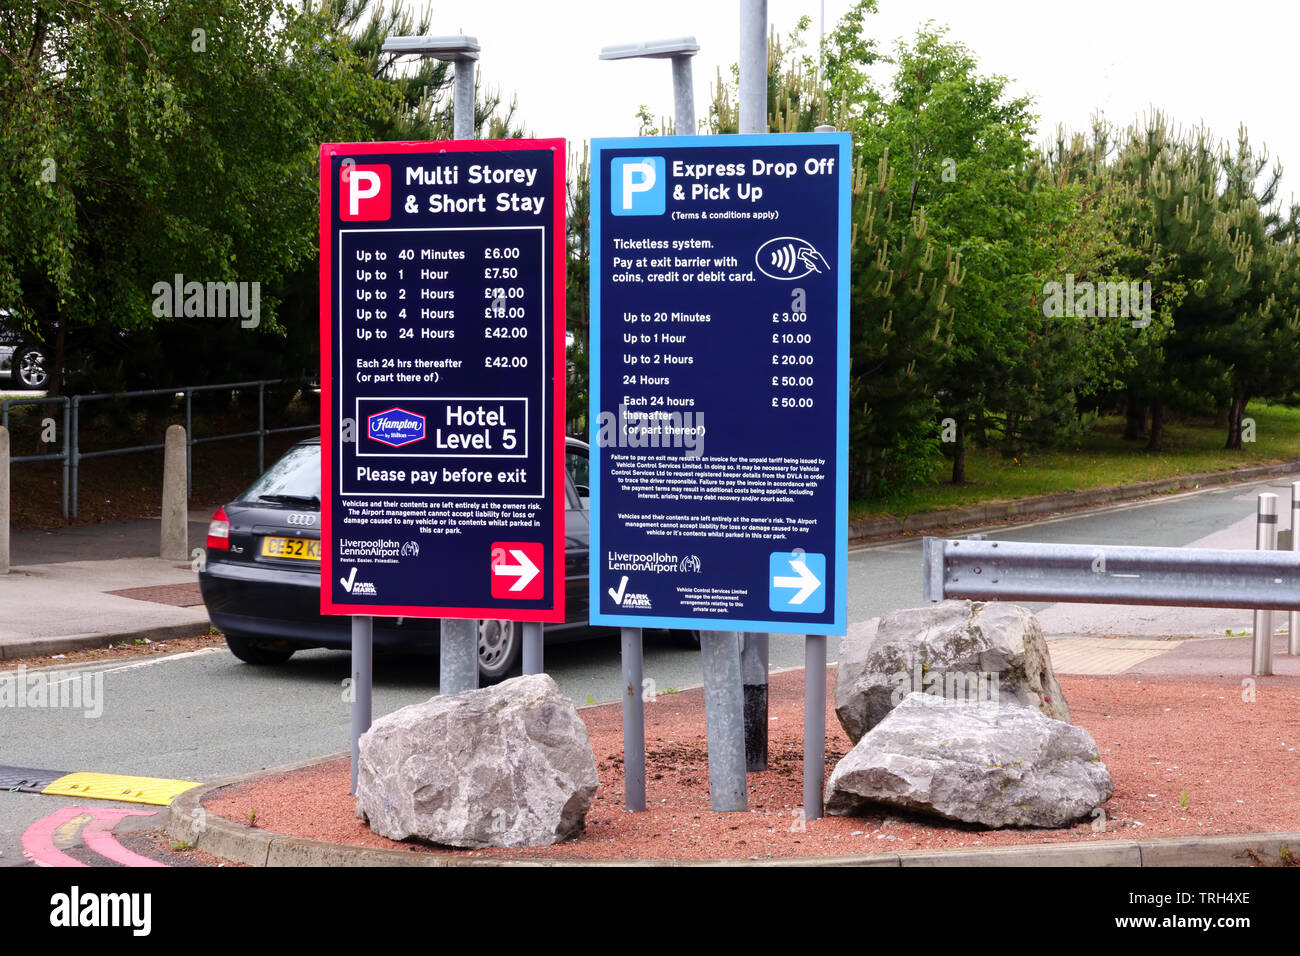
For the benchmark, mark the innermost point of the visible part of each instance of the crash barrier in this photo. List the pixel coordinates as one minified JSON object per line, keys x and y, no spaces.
{"x":1262,"y":580}
{"x":71,"y":455}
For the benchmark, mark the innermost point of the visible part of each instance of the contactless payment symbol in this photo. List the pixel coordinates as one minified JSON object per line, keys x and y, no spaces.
{"x":639,"y":186}
{"x":516,"y":570}
{"x":797,"y":582}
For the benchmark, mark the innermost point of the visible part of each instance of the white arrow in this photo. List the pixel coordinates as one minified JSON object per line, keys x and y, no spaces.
{"x":806,"y":582}
{"x":525,"y":570}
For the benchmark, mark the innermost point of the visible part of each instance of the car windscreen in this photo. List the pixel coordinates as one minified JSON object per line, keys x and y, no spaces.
{"x":294,"y":478}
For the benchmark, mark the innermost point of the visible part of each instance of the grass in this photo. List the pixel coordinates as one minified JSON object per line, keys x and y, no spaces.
{"x":1102,"y":460}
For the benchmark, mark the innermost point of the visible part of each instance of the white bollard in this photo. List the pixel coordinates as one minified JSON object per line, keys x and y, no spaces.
{"x":1265,"y":540}
{"x":175,"y":504}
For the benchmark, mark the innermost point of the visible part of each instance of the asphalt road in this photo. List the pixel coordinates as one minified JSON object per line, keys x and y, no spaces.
{"x":204,"y":716}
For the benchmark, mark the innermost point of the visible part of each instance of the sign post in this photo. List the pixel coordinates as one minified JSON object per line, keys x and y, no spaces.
{"x":442,"y":380}
{"x":720,"y":387}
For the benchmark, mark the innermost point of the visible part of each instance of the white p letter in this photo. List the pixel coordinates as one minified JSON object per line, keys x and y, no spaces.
{"x":357,"y":192}
{"x":631,"y":185}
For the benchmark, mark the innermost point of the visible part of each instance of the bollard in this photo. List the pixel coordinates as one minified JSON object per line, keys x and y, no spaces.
{"x":175,"y":506}
{"x":4,"y":500}
{"x":1265,"y":540}
{"x":1293,"y":623}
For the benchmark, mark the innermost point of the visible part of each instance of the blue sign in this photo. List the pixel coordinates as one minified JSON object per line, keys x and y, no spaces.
{"x":719,"y":382}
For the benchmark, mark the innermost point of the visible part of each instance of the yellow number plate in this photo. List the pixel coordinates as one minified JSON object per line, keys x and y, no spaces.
{"x":305,"y":549}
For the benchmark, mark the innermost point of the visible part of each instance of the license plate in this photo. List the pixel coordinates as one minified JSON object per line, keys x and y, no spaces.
{"x":305,"y":549}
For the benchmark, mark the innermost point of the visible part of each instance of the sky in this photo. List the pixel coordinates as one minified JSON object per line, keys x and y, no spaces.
{"x":1220,"y":64}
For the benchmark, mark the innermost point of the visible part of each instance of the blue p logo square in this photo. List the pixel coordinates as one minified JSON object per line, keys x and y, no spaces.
{"x":638,"y":186}
{"x":797,"y":582}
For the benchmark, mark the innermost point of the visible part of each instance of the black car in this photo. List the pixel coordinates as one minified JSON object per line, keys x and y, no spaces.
{"x":261,"y":573}
{"x":22,"y":354}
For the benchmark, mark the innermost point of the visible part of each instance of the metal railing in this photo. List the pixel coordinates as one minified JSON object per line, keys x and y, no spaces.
{"x":1263,"y":581}
{"x":62,"y":455}
{"x":71,"y":454}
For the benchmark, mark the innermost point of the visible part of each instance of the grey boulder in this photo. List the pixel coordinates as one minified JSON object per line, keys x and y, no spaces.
{"x":962,"y":650}
{"x":997,"y":765}
{"x":509,"y":765}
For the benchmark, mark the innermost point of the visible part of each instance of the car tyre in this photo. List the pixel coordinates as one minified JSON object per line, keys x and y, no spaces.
{"x":252,"y":651}
{"x":500,"y":645}
{"x":29,"y":370}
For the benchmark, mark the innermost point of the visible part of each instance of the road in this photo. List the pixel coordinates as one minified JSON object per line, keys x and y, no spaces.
{"x":204,"y":715}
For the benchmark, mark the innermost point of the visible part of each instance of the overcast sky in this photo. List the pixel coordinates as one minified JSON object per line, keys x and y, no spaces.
{"x":1222,"y":64}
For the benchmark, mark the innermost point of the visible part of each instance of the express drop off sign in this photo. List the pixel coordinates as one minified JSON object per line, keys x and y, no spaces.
{"x":719,"y":413}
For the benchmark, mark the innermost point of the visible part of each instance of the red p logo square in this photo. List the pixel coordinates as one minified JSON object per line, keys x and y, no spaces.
{"x":517,"y":570}
{"x":364,"y":192}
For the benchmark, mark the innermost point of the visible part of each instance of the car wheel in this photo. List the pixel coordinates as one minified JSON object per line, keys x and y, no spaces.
{"x":499,"y":648}
{"x":29,"y":369}
{"x":687,"y":639}
{"x":252,"y":651}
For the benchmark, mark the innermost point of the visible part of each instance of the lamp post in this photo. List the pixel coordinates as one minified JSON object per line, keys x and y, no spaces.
{"x":458,"y":639}
{"x":460,"y":50}
{"x":679,"y":50}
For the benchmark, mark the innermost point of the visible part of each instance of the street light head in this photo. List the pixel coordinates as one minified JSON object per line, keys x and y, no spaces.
{"x":441,"y":48}
{"x":653,"y":49}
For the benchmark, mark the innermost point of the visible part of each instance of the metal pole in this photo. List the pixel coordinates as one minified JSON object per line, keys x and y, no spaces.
{"x":1265,"y":540}
{"x":189,"y":446}
{"x":753,"y":66}
{"x":634,"y":723}
{"x":458,"y":656}
{"x":723,"y":708}
{"x":4,"y":500}
{"x":814,"y":724}
{"x":683,"y":96}
{"x":65,"y":458}
{"x":363,"y":641}
{"x":753,"y":120}
{"x":261,"y":427}
{"x":76,"y":448}
{"x":462,"y":109}
{"x":1293,"y":624}
{"x":532,"y":647}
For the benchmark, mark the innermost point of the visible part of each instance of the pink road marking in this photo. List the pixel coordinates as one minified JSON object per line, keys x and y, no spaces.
{"x":99,"y":838}
{"x":38,"y":839}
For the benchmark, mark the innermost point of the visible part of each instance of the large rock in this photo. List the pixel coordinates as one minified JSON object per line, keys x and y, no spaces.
{"x":998,"y":765}
{"x":509,"y":765}
{"x":956,"y":649}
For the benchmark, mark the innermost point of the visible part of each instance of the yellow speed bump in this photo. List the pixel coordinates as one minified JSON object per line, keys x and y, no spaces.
{"x":114,"y":786}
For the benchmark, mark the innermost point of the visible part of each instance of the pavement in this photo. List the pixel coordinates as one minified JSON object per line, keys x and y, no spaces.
{"x":94,"y":585}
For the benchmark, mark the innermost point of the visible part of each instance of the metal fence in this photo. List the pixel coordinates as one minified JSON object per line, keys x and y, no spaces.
{"x":71,"y":454}
{"x":1263,"y":581}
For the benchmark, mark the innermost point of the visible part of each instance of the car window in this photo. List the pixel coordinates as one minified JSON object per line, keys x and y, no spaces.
{"x":296,"y":474}
{"x":579,"y":469}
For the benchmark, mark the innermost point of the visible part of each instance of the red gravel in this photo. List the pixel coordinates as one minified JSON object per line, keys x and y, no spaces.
{"x":1187,"y":758}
